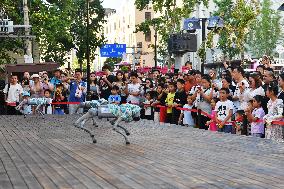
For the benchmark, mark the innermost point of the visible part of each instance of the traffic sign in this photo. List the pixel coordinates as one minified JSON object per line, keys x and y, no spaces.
{"x":113,"y":50}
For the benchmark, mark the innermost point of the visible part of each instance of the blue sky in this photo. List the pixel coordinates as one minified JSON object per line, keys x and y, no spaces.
{"x":111,"y":3}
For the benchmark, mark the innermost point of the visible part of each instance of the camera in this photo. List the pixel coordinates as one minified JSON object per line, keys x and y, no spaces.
{"x":26,"y":82}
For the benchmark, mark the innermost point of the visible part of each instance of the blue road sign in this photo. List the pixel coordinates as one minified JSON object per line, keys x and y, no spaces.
{"x":113,"y":50}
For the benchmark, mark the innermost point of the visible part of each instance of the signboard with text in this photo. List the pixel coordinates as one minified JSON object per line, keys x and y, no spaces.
{"x":113,"y":50}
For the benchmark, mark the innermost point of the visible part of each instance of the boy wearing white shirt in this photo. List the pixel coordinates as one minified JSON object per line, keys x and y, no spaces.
{"x":224,"y":109}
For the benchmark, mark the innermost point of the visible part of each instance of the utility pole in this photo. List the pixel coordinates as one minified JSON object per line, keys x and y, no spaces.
{"x":28,"y":44}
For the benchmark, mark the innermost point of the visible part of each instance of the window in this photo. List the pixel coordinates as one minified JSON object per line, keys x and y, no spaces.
{"x":148,"y":36}
{"x":147,"y":15}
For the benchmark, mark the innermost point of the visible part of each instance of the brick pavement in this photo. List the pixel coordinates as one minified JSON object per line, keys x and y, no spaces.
{"x":51,"y":153}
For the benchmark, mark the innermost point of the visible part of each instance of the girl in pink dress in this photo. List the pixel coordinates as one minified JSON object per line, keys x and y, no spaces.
{"x":212,"y":123}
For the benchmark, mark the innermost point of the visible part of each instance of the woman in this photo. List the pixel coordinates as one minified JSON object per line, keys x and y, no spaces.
{"x":203,"y":97}
{"x":120,"y":82}
{"x":275,"y":113}
{"x":255,"y":88}
{"x":148,"y":85}
{"x":94,"y":88}
{"x":36,"y":87}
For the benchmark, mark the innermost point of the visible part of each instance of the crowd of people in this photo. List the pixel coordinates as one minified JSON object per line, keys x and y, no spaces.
{"x":232,"y":102}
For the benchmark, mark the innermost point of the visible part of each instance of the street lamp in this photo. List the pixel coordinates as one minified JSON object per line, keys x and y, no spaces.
{"x":192,"y":24}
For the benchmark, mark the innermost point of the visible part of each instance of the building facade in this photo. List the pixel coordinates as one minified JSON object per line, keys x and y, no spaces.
{"x":120,"y":28}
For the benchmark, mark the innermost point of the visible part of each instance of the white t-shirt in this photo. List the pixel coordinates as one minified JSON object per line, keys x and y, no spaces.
{"x":187,"y":117}
{"x":223,"y":110}
{"x":14,"y":92}
{"x":238,"y":94}
{"x":131,"y":89}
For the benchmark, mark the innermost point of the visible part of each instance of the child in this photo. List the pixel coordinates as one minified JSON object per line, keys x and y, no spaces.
{"x":114,"y":98}
{"x":188,"y":120}
{"x":170,"y":101}
{"x":159,"y":100}
{"x":58,"y":109}
{"x":212,"y":123}
{"x":179,"y":101}
{"x":148,"y":109}
{"x":47,"y":109}
{"x":224,"y":109}
{"x":275,"y":112}
{"x":257,"y":128}
{"x":240,"y":123}
{"x":26,"y":109}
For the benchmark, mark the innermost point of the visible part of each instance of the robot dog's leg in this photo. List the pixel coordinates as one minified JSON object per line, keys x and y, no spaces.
{"x":82,"y":120}
{"x":94,"y":122}
{"x":115,"y":128}
{"x":38,"y":109}
{"x":124,"y":129}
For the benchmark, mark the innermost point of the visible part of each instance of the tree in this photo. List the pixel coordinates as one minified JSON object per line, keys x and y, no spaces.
{"x":238,"y":18}
{"x":265,"y":32}
{"x":59,"y":26}
{"x":79,"y":30}
{"x":169,"y":20}
{"x":112,"y":61}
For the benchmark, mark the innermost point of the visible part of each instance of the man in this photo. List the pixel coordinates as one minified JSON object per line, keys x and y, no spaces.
{"x":13,"y":94}
{"x":77,"y":92}
{"x":55,"y":80}
{"x":105,"y":82}
{"x":189,"y":81}
{"x":241,"y":85}
{"x":268,"y":77}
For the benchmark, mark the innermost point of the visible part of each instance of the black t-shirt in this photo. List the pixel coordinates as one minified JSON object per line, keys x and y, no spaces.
{"x":105,"y":88}
{"x":180,"y":97}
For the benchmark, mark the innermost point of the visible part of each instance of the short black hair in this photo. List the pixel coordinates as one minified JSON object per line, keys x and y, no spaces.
{"x":78,"y":70}
{"x":173,"y":84}
{"x":106,"y":67}
{"x":227,"y":91}
{"x":133,"y":74}
{"x":239,"y":69}
{"x":115,"y":88}
{"x":181,"y":81}
{"x":206,"y":77}
{"x":47,"y":90}
{"x":57,"y":70}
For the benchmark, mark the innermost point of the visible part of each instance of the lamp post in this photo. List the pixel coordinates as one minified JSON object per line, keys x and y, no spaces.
{"x":192,"y":24}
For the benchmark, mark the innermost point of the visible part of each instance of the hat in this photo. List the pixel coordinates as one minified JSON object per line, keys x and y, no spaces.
{"x":34,"y":76}
{"x":26,"y":93}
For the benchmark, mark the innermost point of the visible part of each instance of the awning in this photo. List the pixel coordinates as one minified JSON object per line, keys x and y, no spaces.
{"x":20,"y":68}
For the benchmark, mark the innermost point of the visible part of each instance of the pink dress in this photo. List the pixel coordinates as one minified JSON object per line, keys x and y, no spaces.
{"x":213,"y":125}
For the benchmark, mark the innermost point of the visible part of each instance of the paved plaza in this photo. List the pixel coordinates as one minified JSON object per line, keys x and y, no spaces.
{"x":51,"y":153}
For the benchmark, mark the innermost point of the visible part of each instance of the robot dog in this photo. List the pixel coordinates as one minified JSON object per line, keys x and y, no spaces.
{"x":38,"y":102}
{"x":124,"y":112}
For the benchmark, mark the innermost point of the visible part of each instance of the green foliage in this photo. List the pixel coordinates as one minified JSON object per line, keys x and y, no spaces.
{"x":238,"y":18}
{"x":79,"y":31}
{"x":169,"y":20}
{"x":59,"y":26}
{"x":265,"y":32}
{"x":112,"y":61}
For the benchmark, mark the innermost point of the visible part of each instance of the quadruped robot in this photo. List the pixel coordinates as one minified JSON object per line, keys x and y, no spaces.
{"x":101,"y":109}
{"x":97,"y":109}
